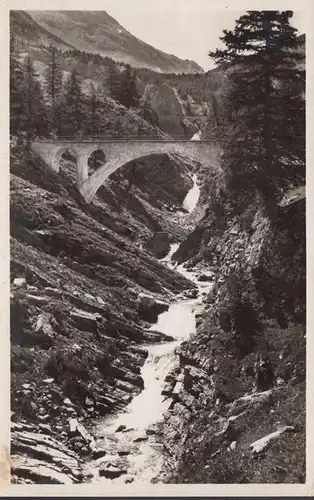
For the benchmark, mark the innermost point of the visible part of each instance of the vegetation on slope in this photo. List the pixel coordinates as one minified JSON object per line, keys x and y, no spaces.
{"x":247,"y":358}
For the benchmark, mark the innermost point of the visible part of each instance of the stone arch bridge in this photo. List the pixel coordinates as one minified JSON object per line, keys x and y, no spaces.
{"x":118,"y":152}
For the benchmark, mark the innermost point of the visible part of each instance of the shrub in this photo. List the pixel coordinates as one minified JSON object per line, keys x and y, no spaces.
{"x":62,"y":364}
{"x":244,"y":315}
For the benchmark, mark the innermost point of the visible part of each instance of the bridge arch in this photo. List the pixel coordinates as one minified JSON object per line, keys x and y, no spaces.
{"x":58,"y":153}
{"x":119,"y":152}
{"x":91,"y":185}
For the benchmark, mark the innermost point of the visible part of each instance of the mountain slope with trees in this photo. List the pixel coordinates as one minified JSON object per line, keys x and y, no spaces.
{"x":242,"y":419}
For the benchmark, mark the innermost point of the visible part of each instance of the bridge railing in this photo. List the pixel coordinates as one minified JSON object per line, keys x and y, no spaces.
{"x":117,"y":138}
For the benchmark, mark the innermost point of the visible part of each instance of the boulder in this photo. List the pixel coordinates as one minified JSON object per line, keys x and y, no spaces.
{"x":53,"y":292}
{"x":42,"y":333}
{"x":111,"y":471}
{"x":191,"y":294}
{"x":67,"y":402}
{"x":20,"y":282}
{"x":84,"y":320}
{"x":159,"y":244}
{"x":121,"y":428}
{"x":261,"y":445}
{"x":140,"y":438}
{"x":204,"y":277}
{"x":168,"y":389}
{"x":150,"y":308}
{"x":99,"y":454}
{"x":123,"y":452}
{"x":244,"y":402}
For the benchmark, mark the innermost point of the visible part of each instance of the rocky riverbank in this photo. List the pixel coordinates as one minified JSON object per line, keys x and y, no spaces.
{"x":85,"y":291}
{"x":238,"y":412}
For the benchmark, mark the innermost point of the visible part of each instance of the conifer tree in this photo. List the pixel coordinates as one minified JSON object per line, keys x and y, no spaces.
{"x":264,"y":143}
{"x":34,"y":122}
{"x":53,"y":87}
{"x":16,"y":87}
{"x":128,"y":95}
{"x":73,"y":106}
{"x":113,"y":81}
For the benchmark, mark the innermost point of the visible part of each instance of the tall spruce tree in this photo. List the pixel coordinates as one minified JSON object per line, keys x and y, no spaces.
{"x":16,"y":88}
{"x":128,"y":94}
{"x":53,"y":87}
{"x":73,"y":106}
{"x":113,"y":81}
{"x":264,"y":145}
{"x":34,"y":122}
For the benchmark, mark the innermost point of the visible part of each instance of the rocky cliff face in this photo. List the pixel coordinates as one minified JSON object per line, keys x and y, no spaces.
{"x":84,"y":293}
{"x":240,"y":417}
{"x":162,"y":107}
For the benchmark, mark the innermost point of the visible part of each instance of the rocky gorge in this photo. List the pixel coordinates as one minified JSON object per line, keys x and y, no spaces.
{"x":86,"y":291}
{"x":241,"y":418}
{"x":133,"y":360}
{"x":158,"y":327}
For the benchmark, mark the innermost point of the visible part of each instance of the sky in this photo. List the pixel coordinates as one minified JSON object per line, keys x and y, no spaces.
{"x":185,"y":28}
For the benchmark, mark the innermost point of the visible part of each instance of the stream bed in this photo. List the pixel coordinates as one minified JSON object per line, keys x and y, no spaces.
{"x":134,"y":451}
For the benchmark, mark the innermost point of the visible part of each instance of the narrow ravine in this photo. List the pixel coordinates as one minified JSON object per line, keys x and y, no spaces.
{"x":133,"y":449}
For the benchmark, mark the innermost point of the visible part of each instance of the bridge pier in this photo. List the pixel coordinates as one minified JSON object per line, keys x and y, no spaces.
{"x":81,"y":167}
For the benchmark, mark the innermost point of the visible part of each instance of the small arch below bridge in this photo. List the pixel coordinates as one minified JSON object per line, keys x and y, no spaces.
{"x":64,"y":158}
{"x":96,"y":159}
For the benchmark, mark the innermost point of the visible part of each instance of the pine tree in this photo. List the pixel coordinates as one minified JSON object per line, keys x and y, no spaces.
{"x":34,"y":121}
{"x":53,"y":87}
{"x":264,"y":143}
{"x":73,"y":106}
{"x":113,"y":81}
{"x":128,"y":95}
{"x":16,"y":86}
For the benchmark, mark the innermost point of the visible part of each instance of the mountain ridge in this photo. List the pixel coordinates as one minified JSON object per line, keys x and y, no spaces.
{"x":98,"y":32}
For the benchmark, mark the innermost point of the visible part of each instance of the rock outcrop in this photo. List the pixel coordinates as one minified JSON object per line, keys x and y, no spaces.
{"x":240,"y":418}
{"x":163,"y":108}
{"x":79,"y":275}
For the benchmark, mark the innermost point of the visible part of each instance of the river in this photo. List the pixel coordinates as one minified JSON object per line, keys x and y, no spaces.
{"x":135,"y":453}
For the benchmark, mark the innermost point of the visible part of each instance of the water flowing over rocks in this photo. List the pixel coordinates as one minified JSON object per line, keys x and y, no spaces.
{"x":151,"y":370}
{"x":84,"y":299}
{"x":241,"y":409}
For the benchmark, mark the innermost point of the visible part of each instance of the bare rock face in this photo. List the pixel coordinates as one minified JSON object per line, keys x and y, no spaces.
{"x":40,"y":458}
{"x":160,"y":244}
{"x":150,"y":308}
{"x":163,"y":108}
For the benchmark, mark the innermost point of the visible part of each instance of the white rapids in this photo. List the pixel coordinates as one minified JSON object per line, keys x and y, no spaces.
{"x":144,"y":460}
{"x":191,"y":199}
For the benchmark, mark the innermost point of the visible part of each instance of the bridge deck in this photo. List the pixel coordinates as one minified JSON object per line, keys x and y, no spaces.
{"x":115,"y":140}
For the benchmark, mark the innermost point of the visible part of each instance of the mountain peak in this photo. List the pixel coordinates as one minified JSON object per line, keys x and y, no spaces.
{"x":98,"y":32}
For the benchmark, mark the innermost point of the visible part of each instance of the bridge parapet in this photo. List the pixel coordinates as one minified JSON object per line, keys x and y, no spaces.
{"x":118,"y":153}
